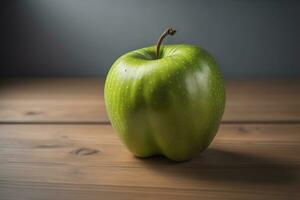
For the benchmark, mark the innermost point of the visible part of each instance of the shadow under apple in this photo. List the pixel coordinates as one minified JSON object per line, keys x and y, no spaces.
{"x":221,"y":165}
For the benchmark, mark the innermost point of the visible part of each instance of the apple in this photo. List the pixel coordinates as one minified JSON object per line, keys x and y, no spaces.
{"x":165,"y":101}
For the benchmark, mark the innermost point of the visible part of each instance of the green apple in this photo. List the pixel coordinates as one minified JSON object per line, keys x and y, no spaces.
{"x":166,"y":101}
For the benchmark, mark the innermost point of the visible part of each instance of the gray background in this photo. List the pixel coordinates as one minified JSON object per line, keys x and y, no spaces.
{"x":251,"y":39}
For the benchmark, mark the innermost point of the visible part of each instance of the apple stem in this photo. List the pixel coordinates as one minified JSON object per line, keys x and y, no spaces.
{"x":168,"y":31}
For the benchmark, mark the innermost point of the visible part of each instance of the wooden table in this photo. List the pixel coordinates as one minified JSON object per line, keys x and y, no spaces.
{"x":57,"y":143}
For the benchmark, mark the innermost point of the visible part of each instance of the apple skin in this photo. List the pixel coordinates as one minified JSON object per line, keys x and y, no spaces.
{"x":171,"y":106}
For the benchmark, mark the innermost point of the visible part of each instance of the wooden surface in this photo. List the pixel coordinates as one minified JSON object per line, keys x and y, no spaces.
{"x":56,"y":143}
{"x":54,"y":100}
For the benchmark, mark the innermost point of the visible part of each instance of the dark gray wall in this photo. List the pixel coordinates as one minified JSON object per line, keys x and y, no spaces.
{"x":249,"y":38}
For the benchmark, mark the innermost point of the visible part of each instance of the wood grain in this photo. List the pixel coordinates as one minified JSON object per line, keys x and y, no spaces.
{"x":81,"y":101}
{"x":245,"y":161}
{"x":263,"y":101}
{"x":52,"y":100}
{"x":56,"y":143}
